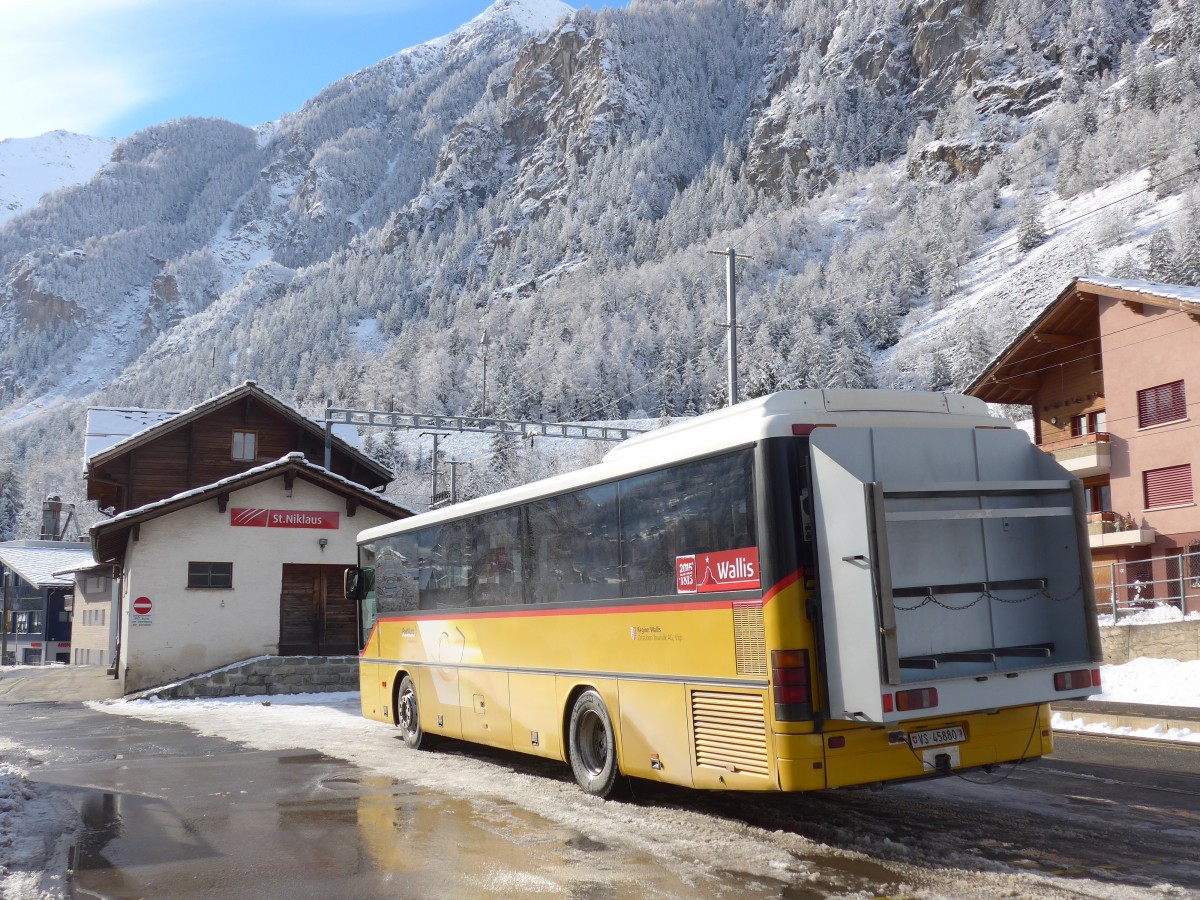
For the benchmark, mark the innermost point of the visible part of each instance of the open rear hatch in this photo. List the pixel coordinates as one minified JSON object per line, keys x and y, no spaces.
{"x":951,"y":559}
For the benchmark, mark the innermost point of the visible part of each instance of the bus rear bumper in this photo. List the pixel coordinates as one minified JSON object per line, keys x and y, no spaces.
{"x":848,"y":755}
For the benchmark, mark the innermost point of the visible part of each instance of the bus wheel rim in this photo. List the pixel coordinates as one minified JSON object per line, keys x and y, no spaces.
{"x":406,"y":711}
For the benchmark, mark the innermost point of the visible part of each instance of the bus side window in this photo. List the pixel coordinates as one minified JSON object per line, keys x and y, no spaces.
{"x":698,"y":507}
{"x":496,"y":571}
{"x":450,"y":557}
{"x":573,"y":540}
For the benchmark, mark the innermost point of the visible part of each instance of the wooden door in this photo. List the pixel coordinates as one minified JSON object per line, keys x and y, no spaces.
{"x":1105,"y":578}
{"x":315,"y":618}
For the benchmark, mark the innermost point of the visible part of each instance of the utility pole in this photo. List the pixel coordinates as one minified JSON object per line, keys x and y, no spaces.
{"x":731,"y":258}
{"x":454,"y":464}
{"x":4,"y":619}
{"x":436,"y":435}
{"x":483,"y":342}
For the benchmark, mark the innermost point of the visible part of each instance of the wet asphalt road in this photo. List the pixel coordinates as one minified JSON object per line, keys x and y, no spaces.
{"x":165,"y":812}
{"x":168,"y":813}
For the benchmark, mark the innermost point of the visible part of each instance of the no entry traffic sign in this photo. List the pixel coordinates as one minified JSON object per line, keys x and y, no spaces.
{"x":142,"y":608}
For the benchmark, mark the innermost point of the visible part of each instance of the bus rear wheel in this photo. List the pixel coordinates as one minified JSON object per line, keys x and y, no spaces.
{"x":593,"y":745}
{"x":408,"y":714}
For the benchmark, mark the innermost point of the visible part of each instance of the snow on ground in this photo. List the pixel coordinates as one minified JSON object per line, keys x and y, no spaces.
{"x":1160,"y":682}
{"x":1164,"y":682}
{"x":1158,"y":614}
{"x":34,"y":840}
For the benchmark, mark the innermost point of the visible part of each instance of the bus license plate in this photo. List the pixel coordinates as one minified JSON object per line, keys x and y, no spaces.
{"x":955,"y":734}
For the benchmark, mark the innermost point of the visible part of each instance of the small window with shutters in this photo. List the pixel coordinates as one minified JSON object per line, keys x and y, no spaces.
{"x":1158,"y":405}
{"x":1171,"y":486}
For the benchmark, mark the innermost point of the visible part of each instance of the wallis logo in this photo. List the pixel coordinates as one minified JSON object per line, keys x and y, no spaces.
{"x":725,"y":570}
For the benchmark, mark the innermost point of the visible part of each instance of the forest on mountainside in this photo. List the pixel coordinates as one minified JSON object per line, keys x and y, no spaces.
{"x":911,"y":181}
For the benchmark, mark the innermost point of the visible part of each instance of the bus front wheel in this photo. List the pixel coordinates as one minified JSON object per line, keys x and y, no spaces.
{"x":593,"y":745}
{"x":408,"y":716}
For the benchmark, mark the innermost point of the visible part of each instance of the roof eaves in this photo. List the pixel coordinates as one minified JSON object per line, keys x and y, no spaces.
{"x":1012,"y":345}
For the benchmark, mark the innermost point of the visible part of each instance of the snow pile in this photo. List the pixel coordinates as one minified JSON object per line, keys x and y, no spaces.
{"x":1165,"y":682}
{"x":1155,"y":615}
{"x":35,"y":830}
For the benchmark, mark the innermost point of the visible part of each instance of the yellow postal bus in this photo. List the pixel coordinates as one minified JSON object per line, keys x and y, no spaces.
{"x":811,"y":590}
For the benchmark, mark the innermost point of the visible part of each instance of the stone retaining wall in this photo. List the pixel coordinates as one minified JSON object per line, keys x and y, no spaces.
{"x":266,"y":676}
{"x":1169,"y":640}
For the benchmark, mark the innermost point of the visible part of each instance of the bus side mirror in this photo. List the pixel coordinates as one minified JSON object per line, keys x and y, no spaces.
{"x":352,"y":583}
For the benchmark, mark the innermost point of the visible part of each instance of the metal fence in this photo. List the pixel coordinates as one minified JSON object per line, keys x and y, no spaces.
{"x":1126,"y":587}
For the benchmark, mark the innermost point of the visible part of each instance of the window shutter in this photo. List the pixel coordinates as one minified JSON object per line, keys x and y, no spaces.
{"x":1168,"y":487}
{"x":1164,"y":403}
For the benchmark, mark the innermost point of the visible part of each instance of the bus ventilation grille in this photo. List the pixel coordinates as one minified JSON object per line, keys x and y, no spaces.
{"x":730,"y":731}
{"x":749,"y":642}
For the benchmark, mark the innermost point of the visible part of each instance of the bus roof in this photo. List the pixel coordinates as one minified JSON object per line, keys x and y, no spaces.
{"x":724,"y":429}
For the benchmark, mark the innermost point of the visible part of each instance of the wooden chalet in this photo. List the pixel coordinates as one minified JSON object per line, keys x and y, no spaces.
{"x":1106,"y":370}
{"x":227,"y":434}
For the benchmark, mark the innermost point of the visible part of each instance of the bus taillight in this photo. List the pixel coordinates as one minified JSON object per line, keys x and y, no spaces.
{"x":791,"y":684}
{"x":921,"y":698}
{"x":1075,"y":680}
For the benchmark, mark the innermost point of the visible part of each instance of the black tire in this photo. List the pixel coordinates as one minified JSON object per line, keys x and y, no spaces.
{"x":593,"y":745}
{"x":408,"y":714}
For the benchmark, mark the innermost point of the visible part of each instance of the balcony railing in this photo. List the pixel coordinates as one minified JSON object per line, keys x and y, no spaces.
{"x":1084,"y":456}
{"x":1111,"y":529}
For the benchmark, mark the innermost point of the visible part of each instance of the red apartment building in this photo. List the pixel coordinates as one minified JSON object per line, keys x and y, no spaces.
{"x":1111,"y":369}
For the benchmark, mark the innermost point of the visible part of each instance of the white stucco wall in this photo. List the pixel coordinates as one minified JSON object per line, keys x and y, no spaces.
{"x":194,"y":630}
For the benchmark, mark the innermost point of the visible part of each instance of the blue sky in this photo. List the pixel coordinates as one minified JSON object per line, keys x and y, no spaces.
{"x":111,"y":67}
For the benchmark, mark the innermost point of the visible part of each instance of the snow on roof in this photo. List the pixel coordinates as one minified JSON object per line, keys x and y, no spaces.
{"x":109,"y":425}
{"x":1183,"y":293}
{"x":294,"y":458}
{"x":91,"y":566}
{"x":37,"y":562}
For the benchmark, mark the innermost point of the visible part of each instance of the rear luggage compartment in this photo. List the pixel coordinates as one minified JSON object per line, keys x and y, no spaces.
{"x":954,"y":572}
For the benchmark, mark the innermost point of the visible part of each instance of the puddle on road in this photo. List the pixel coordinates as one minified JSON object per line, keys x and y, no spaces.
{"x":299,"y":824}
{"x":259,"y":824}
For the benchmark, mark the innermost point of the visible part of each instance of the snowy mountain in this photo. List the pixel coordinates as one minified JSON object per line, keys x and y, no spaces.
{"x":912,"y":181}
{"x":30,"y":168}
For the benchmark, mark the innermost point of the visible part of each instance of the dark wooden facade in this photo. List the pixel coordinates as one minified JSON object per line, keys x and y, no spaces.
{"x":196,"y":448}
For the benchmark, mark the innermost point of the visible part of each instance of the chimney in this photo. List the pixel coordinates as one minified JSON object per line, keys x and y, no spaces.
{"x":51,"y":518}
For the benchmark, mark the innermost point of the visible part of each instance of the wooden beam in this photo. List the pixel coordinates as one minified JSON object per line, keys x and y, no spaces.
{"x":137,"y":531}
{"x":351,"y":507}
{"x":222,"y":501}
{"x":289,"y":478}
{"x":1050,"y":339}
{"x":1018,"y":382}
{"x":191,"y":455}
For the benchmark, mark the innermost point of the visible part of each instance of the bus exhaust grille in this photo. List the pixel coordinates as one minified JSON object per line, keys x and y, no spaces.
{"x":730,"y":731}
{"x":749,"y":643}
